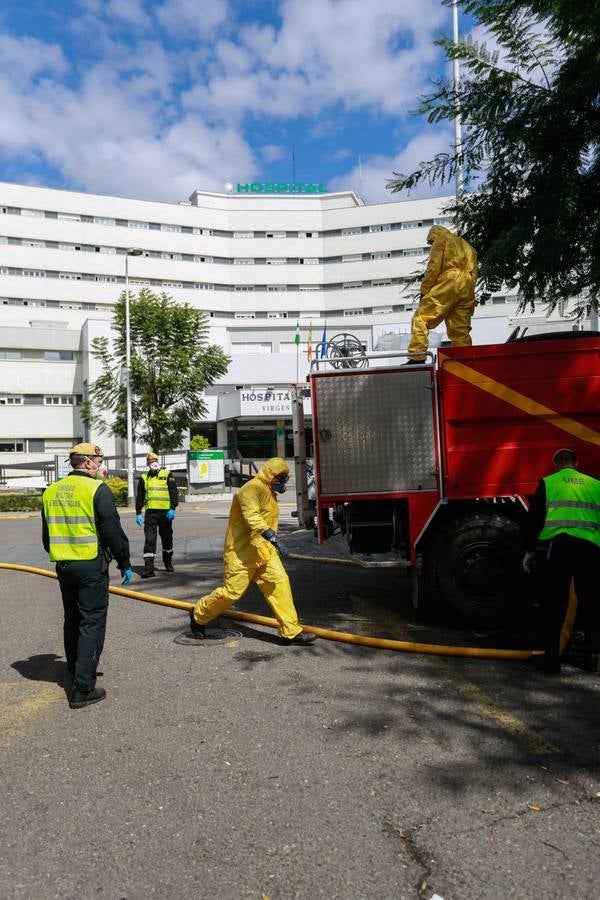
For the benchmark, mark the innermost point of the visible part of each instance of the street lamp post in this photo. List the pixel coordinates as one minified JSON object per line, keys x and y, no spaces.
{"x":132,"y":251}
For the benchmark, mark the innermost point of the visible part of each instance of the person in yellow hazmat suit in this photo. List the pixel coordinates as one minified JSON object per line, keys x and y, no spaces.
{"x":447,"y":292}
{"x":253,"y":552}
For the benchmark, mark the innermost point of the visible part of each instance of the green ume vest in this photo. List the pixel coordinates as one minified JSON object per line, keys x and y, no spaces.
{"x":69,"y":514}
{"x":157,"y":490}
{"x":572,"y":506}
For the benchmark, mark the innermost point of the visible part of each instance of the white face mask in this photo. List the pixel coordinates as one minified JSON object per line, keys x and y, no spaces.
{"x":154,"y":467}
{"x":98,"y":470}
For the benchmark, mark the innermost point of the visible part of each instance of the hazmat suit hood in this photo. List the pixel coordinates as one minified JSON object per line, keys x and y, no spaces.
{"x":272,"y":468}
{"x":438,"y":231}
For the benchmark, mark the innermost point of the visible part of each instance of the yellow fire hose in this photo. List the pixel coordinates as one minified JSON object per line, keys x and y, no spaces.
{"x":344,"y":637}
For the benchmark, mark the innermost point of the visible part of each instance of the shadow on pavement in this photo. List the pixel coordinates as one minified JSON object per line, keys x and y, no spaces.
{"x":44,"y":667}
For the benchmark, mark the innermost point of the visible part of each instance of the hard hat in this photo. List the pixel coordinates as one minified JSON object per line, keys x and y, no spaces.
{"x":86,"y":450}
{"x":151,"y":457}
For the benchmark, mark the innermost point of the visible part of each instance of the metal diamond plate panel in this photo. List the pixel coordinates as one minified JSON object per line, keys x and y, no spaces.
{"x":376,"y":432}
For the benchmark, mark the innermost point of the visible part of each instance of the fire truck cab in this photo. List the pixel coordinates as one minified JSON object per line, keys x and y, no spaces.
{"x":434,"y":463}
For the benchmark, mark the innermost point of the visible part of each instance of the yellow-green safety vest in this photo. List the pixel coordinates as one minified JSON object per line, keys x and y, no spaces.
{"x":157,"y":490}
{"x":69,"y":514}
{"x":572,"y":506}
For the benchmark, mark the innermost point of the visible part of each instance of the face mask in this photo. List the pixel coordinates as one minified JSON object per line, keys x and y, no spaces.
{"x":154,"y":467}
{"x":278,"y":487}
{"x":99,"y":471}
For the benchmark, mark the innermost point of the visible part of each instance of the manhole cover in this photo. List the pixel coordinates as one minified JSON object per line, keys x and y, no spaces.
{"x":212,"y":636}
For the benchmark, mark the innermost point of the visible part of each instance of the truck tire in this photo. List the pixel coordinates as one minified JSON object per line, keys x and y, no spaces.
{"x":472,"y":567}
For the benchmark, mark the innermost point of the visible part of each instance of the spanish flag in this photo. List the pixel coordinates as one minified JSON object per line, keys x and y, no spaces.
{"x":309,"y":349}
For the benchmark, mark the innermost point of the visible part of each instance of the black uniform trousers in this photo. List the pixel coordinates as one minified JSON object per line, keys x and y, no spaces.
{"x":84,"y":589}
{"x":570,"y":558}
{"x":155,"y":520}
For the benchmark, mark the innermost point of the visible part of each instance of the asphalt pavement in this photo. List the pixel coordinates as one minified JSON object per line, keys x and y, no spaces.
{"x":242,"y":768}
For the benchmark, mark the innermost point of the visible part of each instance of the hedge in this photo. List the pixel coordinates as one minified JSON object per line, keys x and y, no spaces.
{"x":29,"y":502}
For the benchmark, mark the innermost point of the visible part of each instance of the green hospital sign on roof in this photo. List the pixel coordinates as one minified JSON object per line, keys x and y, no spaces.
{"x":277,"y":187}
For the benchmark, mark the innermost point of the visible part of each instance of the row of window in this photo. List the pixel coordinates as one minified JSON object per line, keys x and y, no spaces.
{"x":211,"y":232}
{"x":191,"y":285}
{"x":220,"y":260}
{"x":38,"y":445}
{"x":48,"y":355}
{"x":41,"y":399}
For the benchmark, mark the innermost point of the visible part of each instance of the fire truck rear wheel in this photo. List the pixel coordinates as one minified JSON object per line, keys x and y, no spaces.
{"x":473,"y":567}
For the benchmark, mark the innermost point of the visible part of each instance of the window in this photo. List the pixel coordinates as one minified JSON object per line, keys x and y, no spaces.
{"x":34,"y":273}
{"x":276,"y":262}
{"x":354,"y":312}
{"x":411,"y":225}
{"x":139,"y":281}
{"x":352,"y":257}
{"x":243,"y":234}
{"x":419,"y":252}
{"x":36,"y":445}
{"x":71,"y":276}
{"x":106,"y":249}
{"x":12,"y":446}
{"x":59,"y":400}
{"x":165,"y":255}
{"x":27,"y":243}
{"x":69,"y":217}
{"x":243,"y":287}
{"x":308,"y":287}
{"x":309,"y":261}
{"x":134,"y":224}
{"x":65,"y":246}
{"x":3,"y":240}
{"x":275,"y":234}
{"x":170,"y":227}
{"x":243,"y":261}
{"x":277,"y":287}
{"x":204,"y":286}
{"x":384,"y":254}
{"x":244,"y":315}
{"x":276,"y":315}
{"x":172,"y":284}
{"x":251,"y":347}
{"x":207,"y":259}
{"x":33,"y":213}
{"x":103,"y":220}
{"x":59,"y":355}
{"x":111,"y":278}
{"x":381,"y":310}
{"x":346,"y":232}
{"x":442,"y":221}
{"x":352,"y":284}
{"x":386,"y":227}
{"x":308,"y":234}
{"x":11,"y":400}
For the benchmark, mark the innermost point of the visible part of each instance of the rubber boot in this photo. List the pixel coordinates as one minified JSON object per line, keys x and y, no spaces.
{"x":168,"y":562}
{"x":198,"y":631}
{"x":148,"y":568}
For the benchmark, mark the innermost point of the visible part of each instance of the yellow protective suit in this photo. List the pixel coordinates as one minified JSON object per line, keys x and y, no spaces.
{"x":447,"y":291}
{"x":249,"y":557}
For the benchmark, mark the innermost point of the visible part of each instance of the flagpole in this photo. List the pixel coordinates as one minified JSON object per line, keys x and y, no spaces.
{"x":457,"y":115}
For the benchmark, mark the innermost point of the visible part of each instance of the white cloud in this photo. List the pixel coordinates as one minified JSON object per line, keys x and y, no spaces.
{"x":201,"y":17}
{"x":272,"y":152}
{"x":377,"y":170}
{"x":129,"y":11}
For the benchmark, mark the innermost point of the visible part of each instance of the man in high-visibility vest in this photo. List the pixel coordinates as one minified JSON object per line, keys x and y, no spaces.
{"x":563,"y":536}
{"x":157,"y":491}
{"x":81,"y":532}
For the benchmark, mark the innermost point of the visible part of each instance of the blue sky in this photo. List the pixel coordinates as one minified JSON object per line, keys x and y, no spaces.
{"x":156,"y":99}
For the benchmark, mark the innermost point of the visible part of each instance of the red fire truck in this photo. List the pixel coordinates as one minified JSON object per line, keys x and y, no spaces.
{"x":435,"y":463}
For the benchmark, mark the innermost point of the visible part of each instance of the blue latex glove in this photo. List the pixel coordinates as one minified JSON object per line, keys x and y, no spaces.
{"x":127,"y":576}
{"x":140,"y":520}
{"x":170,"y":515}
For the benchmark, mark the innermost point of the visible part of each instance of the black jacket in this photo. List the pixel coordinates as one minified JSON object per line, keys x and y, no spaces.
{"x":111,"y":536}
{"x":140,"y":494}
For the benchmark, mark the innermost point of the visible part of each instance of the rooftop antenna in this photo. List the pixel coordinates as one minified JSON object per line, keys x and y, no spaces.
{"x":293,"y":164}
{"x":360,"y":176}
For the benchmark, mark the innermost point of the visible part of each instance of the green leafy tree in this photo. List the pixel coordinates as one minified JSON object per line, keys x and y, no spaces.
{"x":171,"y":365}
{"x":531,"y":149}
{"x":198,"y":442}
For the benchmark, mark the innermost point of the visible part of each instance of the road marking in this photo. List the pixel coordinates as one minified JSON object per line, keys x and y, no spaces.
{"x":37,"y":515}
{"x":18,"y":711}
{"x":535,"y":744}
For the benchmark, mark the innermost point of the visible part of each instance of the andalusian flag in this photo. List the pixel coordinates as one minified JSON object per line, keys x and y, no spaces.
{"x":297,"y":338}
{"x":309,"y":349}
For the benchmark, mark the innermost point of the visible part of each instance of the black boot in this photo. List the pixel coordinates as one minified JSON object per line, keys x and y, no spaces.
{"x":198,"y":631}
{"x":79,"y":699}
{"x":148,"y":568}
{"x":168,"y":562}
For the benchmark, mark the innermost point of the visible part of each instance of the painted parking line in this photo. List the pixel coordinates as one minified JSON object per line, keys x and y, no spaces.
{"x":506,"y":720}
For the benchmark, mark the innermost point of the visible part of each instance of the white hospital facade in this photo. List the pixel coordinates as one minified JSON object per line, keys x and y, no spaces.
{"x":257,"y":263}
